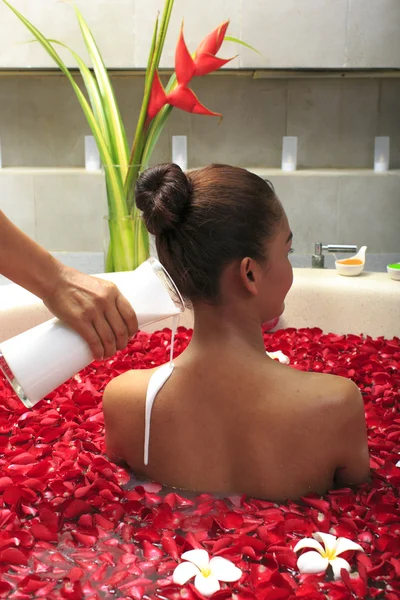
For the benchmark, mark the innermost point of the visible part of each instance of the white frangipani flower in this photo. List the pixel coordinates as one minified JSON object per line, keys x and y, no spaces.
{"x":208,"y":573}
{"x":326,"y":554}
{"x":280,"y":356}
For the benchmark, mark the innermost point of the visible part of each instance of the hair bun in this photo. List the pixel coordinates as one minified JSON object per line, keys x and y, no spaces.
{"x":163,"y":194}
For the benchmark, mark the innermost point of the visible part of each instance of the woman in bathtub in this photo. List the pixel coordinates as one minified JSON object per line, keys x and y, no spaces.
{"x":229,"y":418}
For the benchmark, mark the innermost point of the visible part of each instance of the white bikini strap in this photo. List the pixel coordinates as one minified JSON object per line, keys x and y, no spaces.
{"x":157,"y":380}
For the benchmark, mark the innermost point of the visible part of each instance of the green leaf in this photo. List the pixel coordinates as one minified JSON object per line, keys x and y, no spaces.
{"x":230,"y":38}
{"x":135,"y":159}
{"x":154,"y":133}
{"x":92,"y":90}
{"x":152,"y":50}
{"x":139,"y":133}
{"x":117,"y":134}
{"x":169,"y":4}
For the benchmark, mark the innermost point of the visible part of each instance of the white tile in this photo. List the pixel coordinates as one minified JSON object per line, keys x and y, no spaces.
{"x":9,"y":121}
{"x":70,"y":209}
{"x":294,"y":33}
{"x":42,"y":123}
{"x":359,"y":123}
{"x":110,"y":22}
{"x":199,"y":20}
{"x":13,"y":34}
{"x":389,"y":123}
{"x":373,"y":38}
{"x":253,"y":124}
{"x":314,"y":116}
{"x":369,"y":212}
{"x":17,"y":199}
{"x":51,"y":124}
{"x":310,"y":203}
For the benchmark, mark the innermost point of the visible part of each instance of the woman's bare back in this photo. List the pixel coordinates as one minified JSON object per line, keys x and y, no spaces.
{"x":265,"y":429}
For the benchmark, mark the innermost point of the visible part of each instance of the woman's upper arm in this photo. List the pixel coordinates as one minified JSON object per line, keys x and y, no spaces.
{"x":353,"y":455}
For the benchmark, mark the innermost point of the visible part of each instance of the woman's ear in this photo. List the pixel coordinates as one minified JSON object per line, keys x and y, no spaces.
{"x":250,"y":275}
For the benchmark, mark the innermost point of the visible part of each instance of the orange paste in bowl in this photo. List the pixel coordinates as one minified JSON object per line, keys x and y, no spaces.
{"x":350,"y":261}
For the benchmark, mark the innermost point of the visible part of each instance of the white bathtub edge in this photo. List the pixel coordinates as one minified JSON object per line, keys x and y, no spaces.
{"x":368,"y":304}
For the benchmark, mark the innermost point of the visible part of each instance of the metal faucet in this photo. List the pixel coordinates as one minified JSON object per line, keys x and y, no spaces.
{"x":318,"y":259}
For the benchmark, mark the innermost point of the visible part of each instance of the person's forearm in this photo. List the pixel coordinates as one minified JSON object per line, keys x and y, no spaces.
{"x":25,"y":262}
{"x":94,"y":308}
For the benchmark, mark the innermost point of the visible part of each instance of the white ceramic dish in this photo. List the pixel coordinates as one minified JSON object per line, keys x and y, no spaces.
{"x":393,"y":273}
{"x":352,"y":270}
{"x":349,"y":270}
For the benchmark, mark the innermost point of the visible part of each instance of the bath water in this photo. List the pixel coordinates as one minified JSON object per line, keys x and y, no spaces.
{"x":76,"y":526}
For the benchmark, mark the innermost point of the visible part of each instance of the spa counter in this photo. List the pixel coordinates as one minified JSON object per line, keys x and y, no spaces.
{"x":368,"y":304}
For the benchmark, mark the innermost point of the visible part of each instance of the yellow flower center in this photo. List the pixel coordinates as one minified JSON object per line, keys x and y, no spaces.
{"x":329,"y":554}
{"x":206,"y":572}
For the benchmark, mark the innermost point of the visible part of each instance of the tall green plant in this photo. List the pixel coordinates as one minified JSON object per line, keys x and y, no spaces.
{"x":129,"y":239}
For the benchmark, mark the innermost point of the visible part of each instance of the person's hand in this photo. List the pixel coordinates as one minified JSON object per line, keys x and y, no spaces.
{"x":95,"y":308}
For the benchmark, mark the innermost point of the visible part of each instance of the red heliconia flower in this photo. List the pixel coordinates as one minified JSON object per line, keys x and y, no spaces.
{"x":204,"y":61}
{"x":213,"y":41}
{"x":181,"y":97}
{"x":184,"y":98}
{"x":187,"y":67}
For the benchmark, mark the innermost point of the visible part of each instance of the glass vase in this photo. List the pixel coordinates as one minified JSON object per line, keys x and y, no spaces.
{"x":125,"y":243}
{"x":126,"y":239}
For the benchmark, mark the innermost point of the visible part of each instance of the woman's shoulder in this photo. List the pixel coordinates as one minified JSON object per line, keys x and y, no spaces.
{"x":320,"y":385}
{"x":329,"y":396}
{"x":123,"y":409}
{"x":131,"y":384}
{"x":124,"y":395}
{"x":334,"y":383}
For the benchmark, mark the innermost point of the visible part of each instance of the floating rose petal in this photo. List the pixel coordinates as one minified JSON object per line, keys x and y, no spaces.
{"x":41,"y":532}
{"x":71,"y":490}
{"x":13,"y":556}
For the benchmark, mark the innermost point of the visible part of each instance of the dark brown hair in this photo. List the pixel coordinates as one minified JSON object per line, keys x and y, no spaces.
{"x":204,"y":220}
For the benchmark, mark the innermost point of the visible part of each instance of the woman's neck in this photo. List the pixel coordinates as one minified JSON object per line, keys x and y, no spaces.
{"x":219,"y":325}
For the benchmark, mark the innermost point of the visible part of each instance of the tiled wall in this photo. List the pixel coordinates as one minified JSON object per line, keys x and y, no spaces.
{"x":336,"y":120}
{"x":60,"y":209}
{"x":342,"y":208}
{"x":64,"y":209}
{"x":288,"y":33}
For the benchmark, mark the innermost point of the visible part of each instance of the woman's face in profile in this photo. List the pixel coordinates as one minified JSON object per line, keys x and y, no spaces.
{"x":278,"y":277}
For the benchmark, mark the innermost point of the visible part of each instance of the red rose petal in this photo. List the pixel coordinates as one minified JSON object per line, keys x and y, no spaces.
{"x":170,"y":547}
{"x":231,"y":520}
{"x":41,"y":532}
{"x":151,"y":552}
{"x":73,"y":524}
{"x":12,"y":494}
{"x":76,"y":508}
{"x":84,"y":539}
{"x":13,"y":556}
{"x":5,"y":588}
{"x":25,"y":458}
{"x":72,"y":591}
{"x":5,"y":482}
{"x":26,"y":538}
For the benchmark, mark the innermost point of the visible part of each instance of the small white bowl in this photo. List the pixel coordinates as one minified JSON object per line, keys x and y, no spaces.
{"x":349,"y":270}
{"x":393,"y":273}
